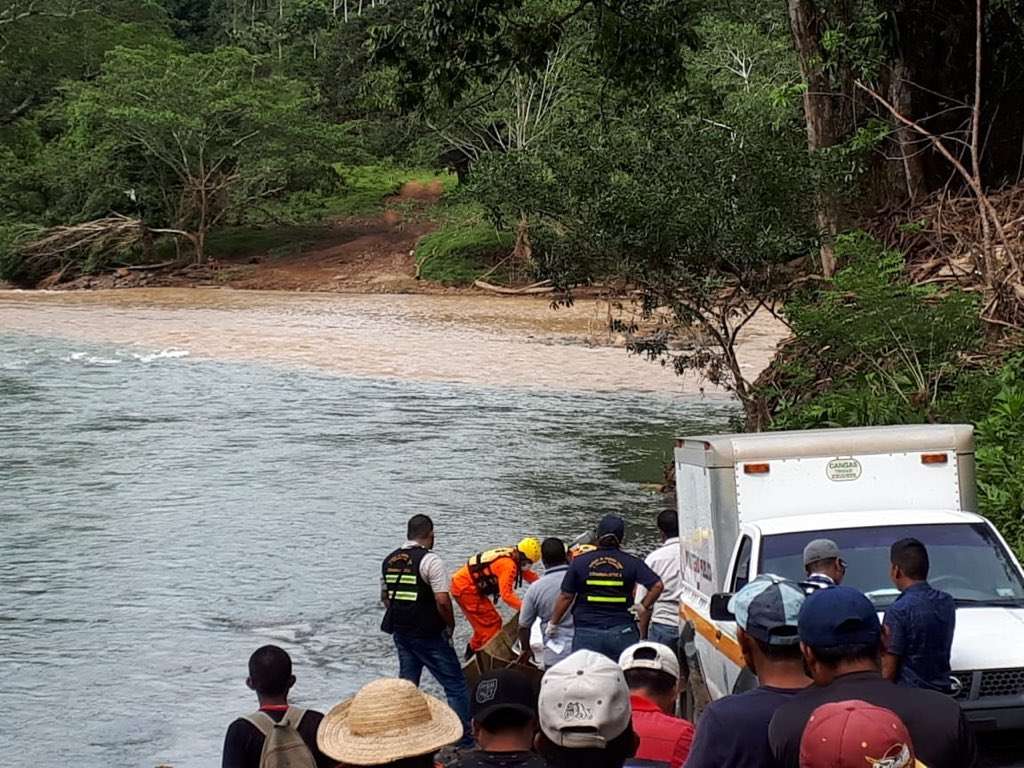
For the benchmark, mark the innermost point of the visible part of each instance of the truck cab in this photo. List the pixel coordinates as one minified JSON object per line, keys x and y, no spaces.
{"x":750,"y":503}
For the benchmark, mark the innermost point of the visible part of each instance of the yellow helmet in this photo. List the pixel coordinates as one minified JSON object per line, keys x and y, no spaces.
{"x":530,"y":549}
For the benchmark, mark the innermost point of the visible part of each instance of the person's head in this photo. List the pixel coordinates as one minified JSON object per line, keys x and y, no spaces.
{"x":909,"y":560}
{"x":855,"y":734}
{"x":552,"y":552}
{"x":839,"y":633}
{"x":421,"y":530}
{"x":270,"y":673}
{"x":668,"y":524}
{"x":529,"y":551}
{"x":766,"y":613}
{"x":652,"y":671}
{"x":504,"y":711}
{"x":388,"y":723}
{"x":585,"y":715}
{"x":822,"y":556}
{"x":611,"y":531}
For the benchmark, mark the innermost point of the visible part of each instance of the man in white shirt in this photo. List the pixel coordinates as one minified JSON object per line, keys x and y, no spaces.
{"x":661,"y":625}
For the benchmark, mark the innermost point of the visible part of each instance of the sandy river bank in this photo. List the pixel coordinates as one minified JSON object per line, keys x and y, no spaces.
{"x":473,"y":339}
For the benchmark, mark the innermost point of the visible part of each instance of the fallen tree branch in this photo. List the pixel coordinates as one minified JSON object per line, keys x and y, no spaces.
{"x":527,"y":290}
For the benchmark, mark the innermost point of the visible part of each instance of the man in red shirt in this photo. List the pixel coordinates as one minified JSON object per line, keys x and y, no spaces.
{"x":653,"y":675}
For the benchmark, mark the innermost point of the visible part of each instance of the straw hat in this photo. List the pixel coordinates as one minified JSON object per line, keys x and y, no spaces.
{"x":387,"y":720}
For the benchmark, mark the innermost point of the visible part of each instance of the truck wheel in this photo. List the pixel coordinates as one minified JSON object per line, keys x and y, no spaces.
{"x":695,"y":697}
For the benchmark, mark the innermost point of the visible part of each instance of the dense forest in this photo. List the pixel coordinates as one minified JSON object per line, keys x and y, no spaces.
{"x":852,"y":166}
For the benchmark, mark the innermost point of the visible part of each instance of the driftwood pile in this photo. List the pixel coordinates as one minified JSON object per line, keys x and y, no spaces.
{"x":57,"y":250}
{"x":943,"y":241}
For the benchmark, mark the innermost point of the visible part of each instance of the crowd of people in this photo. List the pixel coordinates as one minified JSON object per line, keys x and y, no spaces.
{"x":836,"y":687}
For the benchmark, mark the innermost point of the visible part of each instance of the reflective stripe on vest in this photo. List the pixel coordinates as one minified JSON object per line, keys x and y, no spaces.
{"x":411,"y":596}
{"x":600,"y":599}
{"x":394,"y":578}
{"x":606,"y":582}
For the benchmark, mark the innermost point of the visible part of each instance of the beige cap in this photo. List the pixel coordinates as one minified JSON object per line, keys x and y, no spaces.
{"x":584,"y":701}
{"x":647,"y":655}
{"x":387,"y":720}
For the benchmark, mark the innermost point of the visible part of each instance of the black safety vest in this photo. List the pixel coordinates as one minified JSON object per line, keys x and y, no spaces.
{"x":605,"y":583}
{"x":412,"y":608}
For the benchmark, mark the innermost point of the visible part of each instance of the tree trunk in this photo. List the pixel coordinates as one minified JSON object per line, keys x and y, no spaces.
{"x":908,"y":141}
{"x":822,"y":112}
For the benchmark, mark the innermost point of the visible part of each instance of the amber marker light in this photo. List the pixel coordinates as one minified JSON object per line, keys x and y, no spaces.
{"x":935,"y":458}
{"x":756,"y":469}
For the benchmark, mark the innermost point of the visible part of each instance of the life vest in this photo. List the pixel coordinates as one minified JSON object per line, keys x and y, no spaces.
{"x":412,"y":607}
{"x":605,"y":583}
{"x":484,"y":578}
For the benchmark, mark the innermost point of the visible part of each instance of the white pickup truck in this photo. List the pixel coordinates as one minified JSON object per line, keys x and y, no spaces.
{"x":749,"y":503}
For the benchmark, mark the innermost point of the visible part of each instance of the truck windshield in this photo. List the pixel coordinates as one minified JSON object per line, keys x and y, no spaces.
{"x":967,"y":561}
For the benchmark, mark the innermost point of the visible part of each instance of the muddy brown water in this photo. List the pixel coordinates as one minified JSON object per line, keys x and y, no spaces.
{"x":186,"y":475}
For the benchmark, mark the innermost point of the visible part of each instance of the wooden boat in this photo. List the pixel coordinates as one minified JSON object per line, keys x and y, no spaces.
{"x":502,"y":652}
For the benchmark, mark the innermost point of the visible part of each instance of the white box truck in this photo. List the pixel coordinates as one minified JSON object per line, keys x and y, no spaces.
{"x":749,"y":503}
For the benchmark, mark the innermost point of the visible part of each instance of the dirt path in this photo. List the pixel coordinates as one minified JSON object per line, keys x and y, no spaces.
{"x":363,"y":254}
{"x":368,"y":256}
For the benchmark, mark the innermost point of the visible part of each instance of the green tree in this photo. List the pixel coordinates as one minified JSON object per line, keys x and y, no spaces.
{"x":46,"y":42}
{"x":192,"y":138}
{"x":697,"y":195}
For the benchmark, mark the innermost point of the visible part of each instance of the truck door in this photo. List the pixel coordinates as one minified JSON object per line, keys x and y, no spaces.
{"x":723,"y":673}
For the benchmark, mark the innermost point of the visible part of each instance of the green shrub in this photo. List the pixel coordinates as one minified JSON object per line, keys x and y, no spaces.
{"x":366,"y":186}
{"x":872,"y":349}
{"x":13,"y":267}
{"x":460,"y":251}
{"x":1000,"y":456}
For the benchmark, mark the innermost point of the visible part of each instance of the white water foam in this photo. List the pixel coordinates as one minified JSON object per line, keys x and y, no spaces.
{"x":87,"y":359}
{"x":163,"y":354}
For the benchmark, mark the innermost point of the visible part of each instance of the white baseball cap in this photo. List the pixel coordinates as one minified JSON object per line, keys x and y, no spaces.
{"x":647,"y":655}
{"x":584,"y":702}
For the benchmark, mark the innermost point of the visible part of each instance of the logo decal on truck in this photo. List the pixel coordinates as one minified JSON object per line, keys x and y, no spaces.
{"x":841,"y":470}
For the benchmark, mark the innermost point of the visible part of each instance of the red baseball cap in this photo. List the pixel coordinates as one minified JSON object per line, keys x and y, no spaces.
{"x":855,"y":734}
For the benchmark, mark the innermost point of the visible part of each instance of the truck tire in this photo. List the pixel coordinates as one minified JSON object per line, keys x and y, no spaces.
{"x":695,"y":696}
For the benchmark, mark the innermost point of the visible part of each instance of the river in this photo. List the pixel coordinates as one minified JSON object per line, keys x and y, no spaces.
{"x":186,"y":475}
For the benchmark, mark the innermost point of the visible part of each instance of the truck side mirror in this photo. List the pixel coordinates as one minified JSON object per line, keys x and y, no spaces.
{"x":719,"y":607}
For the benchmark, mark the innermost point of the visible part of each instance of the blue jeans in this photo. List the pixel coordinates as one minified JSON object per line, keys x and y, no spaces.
{"x":664,"y":634}
{"x":438,"y":656}
{"x":611,"y":641}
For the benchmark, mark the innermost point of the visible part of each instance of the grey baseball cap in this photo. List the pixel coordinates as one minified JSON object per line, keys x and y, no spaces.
{"x":767,"y":609}
{"x":820,"y":549}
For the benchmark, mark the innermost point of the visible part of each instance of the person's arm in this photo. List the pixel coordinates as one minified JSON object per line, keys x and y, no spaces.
{"x":706,"y":749}
{"x":527,"y":616}
{"x":235,"y":753}
{"x":644,"y":621}
{"x":530,"y":575}
{"x":892,"y":645}
{"x":432,"y":571}
{"x":505,"y":570}
{"x":444,"y":607}
{"x":562,"y":605}
{"x":890,"y":666}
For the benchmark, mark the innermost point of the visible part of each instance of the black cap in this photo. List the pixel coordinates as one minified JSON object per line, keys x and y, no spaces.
{"x":611,"y":525}
{"x":503,"y":689}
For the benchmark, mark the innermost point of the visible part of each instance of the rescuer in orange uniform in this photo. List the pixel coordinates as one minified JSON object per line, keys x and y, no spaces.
{"x":487,"y":577}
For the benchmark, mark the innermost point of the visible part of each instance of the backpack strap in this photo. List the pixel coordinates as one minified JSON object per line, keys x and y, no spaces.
{"x":263,"y":722}
{"x":293,"y":716}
